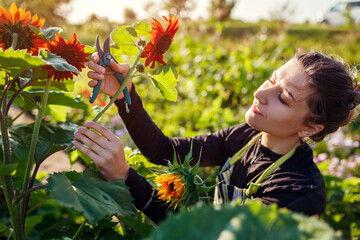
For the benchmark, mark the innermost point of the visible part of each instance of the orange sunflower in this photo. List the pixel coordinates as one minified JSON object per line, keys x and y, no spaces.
{"x":72,"y":51}
{"x":160,"y":41}
{"x":18,"y":21}
{"x":171,"y":187}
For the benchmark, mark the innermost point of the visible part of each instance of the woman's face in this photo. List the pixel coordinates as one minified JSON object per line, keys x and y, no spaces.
{"x":280,"y":107}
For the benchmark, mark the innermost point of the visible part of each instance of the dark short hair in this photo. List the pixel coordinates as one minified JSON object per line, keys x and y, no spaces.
{"x":336,"y":94}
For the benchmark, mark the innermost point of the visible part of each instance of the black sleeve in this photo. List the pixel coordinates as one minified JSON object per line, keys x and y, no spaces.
{"x":158,"y":148}
{"x":145,"y":197}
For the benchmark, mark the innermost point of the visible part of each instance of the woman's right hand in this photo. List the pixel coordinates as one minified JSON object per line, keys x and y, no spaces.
{"x":109,"y":84}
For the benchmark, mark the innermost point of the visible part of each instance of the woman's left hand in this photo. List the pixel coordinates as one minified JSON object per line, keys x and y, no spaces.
{"x":105,"y":149}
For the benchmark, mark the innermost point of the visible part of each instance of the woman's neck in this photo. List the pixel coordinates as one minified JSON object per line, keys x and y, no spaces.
{"x":279,"y":145}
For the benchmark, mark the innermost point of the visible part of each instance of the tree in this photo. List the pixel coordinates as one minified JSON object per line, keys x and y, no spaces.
{"x":221,"y":9}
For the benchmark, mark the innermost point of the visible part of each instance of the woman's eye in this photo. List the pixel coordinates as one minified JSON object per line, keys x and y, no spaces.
{"x":282,"y":100}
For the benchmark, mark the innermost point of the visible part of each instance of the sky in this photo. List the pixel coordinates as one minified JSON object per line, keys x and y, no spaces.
{"x":246,"y":10}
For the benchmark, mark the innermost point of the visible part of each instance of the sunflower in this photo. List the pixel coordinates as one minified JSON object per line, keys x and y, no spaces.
{"x":160,"y":41}
{"x":18,"y":21}
{"x":72,"y":51}
{"x":171,"y":187}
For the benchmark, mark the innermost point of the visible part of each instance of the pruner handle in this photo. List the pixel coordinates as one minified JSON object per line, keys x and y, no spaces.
{"x":120,"y":78}
{"x":95,"y":91}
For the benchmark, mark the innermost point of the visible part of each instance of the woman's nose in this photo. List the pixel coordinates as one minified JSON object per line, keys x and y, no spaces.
{"x":260,"y":95}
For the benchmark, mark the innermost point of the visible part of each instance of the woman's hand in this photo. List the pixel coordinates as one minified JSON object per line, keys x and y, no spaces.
{"x":109,"y":84}
{"x":105,"y":149}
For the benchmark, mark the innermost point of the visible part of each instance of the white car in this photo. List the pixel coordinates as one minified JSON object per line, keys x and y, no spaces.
{"x":336,"y":14}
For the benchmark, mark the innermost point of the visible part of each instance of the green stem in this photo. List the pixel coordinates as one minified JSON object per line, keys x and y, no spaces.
{"x":79,"y":230}
{"x":113,"y":99}
{"x":34,"y":139}
{"x":6,"y":181}
{"x":13,"y":210}
{"x":27,"y":192}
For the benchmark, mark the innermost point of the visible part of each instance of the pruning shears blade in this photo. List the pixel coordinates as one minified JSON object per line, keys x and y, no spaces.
{"x":107,"y":45}
{"x":98,"y":48}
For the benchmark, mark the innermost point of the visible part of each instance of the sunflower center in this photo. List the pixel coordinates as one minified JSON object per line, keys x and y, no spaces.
{"x":68,"y":55}
{"x":163,"y":44}
{"x":172,"y":186}
{"x":25,"y":38}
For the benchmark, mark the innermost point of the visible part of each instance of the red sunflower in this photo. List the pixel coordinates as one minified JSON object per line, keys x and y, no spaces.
{"x":160,"y":41}
{"x":72,"y":51}
{"x":18,"y":21}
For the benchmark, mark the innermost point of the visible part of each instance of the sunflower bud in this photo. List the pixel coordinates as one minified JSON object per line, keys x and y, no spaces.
{"x":37,"y":98}
{"x":141,"y":43}
{"x":140,"y":68}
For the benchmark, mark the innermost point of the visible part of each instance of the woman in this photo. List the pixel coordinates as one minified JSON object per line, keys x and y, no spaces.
{"x":310,"y":96}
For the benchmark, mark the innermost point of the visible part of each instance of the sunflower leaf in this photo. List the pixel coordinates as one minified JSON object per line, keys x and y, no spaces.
{"x":142,"y":28}
{"x":46,"y":34}
{"x":17,"y":62}
{"x":67,"y":86}
{"x":166,"y":80}
{"x":8,"y":169}
{"x":254,"y":220}
{"x":187,"y":159}
{"x":59,"y":63}
{"x":124,"y":40}
{"x":57,"y":98}
{"x":52,"y":138}
{"x":92,"y":196}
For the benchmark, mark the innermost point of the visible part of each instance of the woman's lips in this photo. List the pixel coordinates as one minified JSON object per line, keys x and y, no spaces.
{"x":256,"y":110}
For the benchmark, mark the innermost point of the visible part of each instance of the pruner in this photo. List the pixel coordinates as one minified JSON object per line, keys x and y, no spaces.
{"x":105,"y":58}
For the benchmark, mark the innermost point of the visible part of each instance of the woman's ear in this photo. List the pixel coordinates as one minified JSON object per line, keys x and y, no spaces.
{"x":310,"y":131}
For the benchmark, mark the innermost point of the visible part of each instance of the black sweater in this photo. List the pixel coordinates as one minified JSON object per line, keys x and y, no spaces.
{"x":297,"y":184}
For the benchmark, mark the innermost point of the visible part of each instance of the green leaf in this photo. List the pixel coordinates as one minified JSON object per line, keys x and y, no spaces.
{"x":2,"y":77}
{"x":19,"y":61}
{"x":46,"y":34}
{"x":123,"y":38}
{"x":67,"y":86}
{"x":57,"y":112}
{"x":59,"y":63}
{"x":3,"y":227}
{"x":52,"y":138}
{"x":142,"y":28}
{"x":58,"y":98}
{"x":8,"y":169}
{"x":74,"y":155}
{"x":254,"y":220}
{"x":31,"y":222}
{"x":138,"y":226}
{"x":89,"y":49}
{"x":91,"y":196}
{"x":166,"y":80}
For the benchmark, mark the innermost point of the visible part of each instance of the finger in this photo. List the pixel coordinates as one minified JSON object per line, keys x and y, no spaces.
{"x":95,"y":57}
{"x":103,"y":130}
{"x":92,"y":83}
{"x":93,"y":156}
{"x":95,"y":137}
{"x":96,"y":75}
{"x":89,"y":143}
{"x":120,"y":67}
{"x":96,"y":67}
